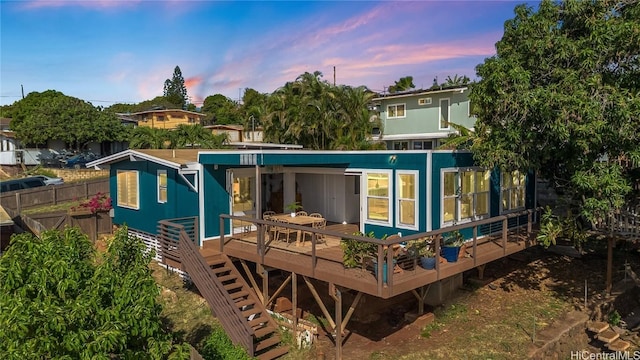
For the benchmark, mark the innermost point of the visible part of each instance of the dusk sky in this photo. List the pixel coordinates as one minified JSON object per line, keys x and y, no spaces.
{"x":122,"y":51}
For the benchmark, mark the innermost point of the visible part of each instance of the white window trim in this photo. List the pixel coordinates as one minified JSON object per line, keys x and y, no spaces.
{"x":502,"y":188}
{"x":158,"y":173}
{"x":457,"y":220}
{"x":448,"y":114}
{"x":137,"y":192}
{"x":396,"y":105}
{"x":425,"y":101}
{"x":365,"y":196}
{"x":416,"y":201}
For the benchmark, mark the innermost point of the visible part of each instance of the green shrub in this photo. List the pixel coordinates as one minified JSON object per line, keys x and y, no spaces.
{"x":218,"y":346}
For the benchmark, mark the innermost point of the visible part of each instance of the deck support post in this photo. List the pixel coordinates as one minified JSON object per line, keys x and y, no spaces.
{"x":352,"y":308}
{"x":282,"y":286}
{"x":611,"y":243}
{"x":423,"y":295}
{"x":252,"y":280}
{"x":481,"y":271}
{"x":294,"y":301}
{"x":475,"y":244}
{"x":336,"y":294}
{"x":505,"y":230}
{"x":319,"y":302}
{"x":265,"y":283}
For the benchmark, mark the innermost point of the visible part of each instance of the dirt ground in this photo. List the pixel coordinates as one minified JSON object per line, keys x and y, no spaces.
{"x":498,"y":320}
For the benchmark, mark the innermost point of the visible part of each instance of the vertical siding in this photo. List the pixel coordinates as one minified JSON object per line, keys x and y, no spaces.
{"x":181,"y":200}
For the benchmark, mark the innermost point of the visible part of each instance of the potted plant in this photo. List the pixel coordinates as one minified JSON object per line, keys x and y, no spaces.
{"x":451,"y":244}
{"x":293,"y":207}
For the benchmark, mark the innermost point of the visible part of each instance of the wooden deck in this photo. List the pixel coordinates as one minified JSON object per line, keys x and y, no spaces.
{"x":324,"y":261}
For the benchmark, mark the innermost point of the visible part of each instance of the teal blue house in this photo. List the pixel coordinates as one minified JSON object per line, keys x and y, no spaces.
{"x":420,"y":119}
{"x":387,"y":192}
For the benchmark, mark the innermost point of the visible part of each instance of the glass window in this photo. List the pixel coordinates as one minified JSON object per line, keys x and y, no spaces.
{"x":127,"y":185}
{"x":162,"y":186}
{"x":444,"y":114}
{"x":395,"y":111}
{"x":465,"y":195}
{"x":400,"y":145}
{"x":513,"y":190}
{"x":406,"y":183}
{"x":378,"y":196}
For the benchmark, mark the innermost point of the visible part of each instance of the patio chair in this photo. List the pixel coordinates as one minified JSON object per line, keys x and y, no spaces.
{"x":268,"y":213}
{"x":301,"y":213}
{"x":269,"y":229}
{"x":283,"y":229}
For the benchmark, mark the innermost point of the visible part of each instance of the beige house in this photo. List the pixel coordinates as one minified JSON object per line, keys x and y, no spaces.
{"x":166,"y":118}
{"x":237,"y":133}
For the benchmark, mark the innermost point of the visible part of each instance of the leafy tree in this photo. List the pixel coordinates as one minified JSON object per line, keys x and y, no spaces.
{"x":220,"y":110}
{"x":60,"y":299}
{"x":404,"y":84}
{"x":174,"y":89}
{"x":51,"y":115}
{"x":561,"y":96}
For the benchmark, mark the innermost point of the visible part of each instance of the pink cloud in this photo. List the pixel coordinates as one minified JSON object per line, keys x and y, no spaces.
{"x":90,"y":4}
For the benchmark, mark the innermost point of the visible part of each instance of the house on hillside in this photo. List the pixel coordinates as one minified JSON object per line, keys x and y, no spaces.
{"x":387,"y":192}
{"x":421,"y":119}
{"x":164,"y":118}
{"x":237,"y":133}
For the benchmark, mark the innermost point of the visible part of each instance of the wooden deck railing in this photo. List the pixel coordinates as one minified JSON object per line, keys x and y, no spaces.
{"x":499,"y":226}
{"x":220,"y":302}
{"x":169,"y":236}
{"x":625,"y":223}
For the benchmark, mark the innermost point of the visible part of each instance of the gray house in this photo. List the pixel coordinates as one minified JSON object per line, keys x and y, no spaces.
{"x":419,"y":120}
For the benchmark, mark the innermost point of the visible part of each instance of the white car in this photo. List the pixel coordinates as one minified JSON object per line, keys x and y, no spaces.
{"x":51,"y":180}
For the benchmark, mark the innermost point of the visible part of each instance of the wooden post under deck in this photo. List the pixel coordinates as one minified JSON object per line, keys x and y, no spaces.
{"x":611,"y":243}
{"x":265,"y":283}
{"x":252,"y":280}
{"x":337,"y":297}
{"x":423,"y":294}
{"x":481,"y":271}
{"x":294,"y":300}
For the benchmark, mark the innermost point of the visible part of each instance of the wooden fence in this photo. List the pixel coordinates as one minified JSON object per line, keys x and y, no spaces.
{"x":91,"y":224}
{"x":53,"y":194}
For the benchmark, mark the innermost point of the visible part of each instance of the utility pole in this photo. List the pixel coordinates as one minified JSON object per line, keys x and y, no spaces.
{"x":334,"y":76}
{"x":22,"y":87}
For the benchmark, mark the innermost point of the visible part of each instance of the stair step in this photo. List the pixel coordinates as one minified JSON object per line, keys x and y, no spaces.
{"x":618,"y":345}
{"x":214,"y":260}
{"x":258,"y":320}
{"x":239,"y":294}
{"x":264,"y":331}
{"x":227,"y":277}
{"x":274,"y":353}
{"x":232,"y":286}
{"x":597,"y":326}
{"x":608,"y":336}
{"x":247,"y":313}
{"x":267,"y":343}
{"x":240,"y":304}
{"x":220,"y":270}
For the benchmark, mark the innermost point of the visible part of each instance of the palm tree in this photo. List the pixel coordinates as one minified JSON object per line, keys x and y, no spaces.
{"x":456,"y":80}
{"x":144,"y":137}
{"x":404,"y":84}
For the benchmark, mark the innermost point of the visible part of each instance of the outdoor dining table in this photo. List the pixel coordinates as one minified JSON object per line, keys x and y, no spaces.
{"x":303,"y":220}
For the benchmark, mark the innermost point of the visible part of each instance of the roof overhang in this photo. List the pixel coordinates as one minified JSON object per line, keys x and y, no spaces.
{"x":133,"y":155}
{"x":422,"y":93}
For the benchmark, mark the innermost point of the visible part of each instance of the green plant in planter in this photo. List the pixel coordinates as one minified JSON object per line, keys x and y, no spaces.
{"x":293,"y":207}
{"x":452,"y":239}
{"x":356,"y":253}
{"x":419,"y":248}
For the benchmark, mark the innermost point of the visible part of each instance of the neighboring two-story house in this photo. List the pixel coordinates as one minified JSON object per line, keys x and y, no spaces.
{"x":166,"y":118}
{"x":421,"y":119}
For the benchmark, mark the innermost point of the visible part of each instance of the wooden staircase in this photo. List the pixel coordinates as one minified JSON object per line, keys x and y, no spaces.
{"x":604,"y":333}
{"x":233,"y":302}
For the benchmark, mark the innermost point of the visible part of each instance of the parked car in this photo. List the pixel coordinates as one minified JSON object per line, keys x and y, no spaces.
{"x":51,"y":180}
{"x":79,"y":161}
{"x":20,"y":184}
